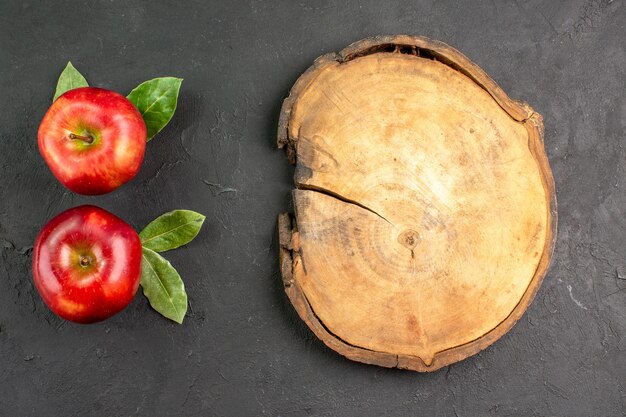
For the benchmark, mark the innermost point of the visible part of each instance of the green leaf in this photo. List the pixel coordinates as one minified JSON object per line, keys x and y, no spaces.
{"x":156,"y":101}
{"x":69,"y":79}
{"x":171,"y":230}
{"x":162,"y":286}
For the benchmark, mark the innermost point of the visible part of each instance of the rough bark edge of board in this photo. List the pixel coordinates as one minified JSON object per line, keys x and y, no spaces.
{"x":287,"y":227}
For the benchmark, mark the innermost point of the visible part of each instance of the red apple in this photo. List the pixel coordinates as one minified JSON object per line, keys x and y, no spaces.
{"x":93,"y":140}
{"x":87,"y":264}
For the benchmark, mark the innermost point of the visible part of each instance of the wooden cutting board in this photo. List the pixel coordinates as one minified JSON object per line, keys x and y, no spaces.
{"x":425,"y":208}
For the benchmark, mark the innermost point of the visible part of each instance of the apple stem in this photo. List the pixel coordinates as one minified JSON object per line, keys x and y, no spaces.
{"x":87,"y":139}
{"x":85,"y":261}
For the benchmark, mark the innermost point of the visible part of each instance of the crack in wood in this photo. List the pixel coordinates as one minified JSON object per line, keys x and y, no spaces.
{"x":325,"y":191}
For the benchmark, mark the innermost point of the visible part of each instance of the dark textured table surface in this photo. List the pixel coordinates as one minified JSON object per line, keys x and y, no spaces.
{"x":242,"y":351}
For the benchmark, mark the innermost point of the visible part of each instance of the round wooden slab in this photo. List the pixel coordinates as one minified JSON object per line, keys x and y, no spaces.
{"x":425,"y":209}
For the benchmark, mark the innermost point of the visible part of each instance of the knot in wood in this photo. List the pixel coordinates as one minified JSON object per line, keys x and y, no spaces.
{"x":409,"y":238}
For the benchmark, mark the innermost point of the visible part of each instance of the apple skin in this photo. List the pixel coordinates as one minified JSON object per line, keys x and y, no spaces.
{"x":93,"y":140}
{"x":87,"y":264}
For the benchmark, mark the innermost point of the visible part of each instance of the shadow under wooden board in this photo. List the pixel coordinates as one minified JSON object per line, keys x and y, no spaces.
{"x":425,"y":208}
